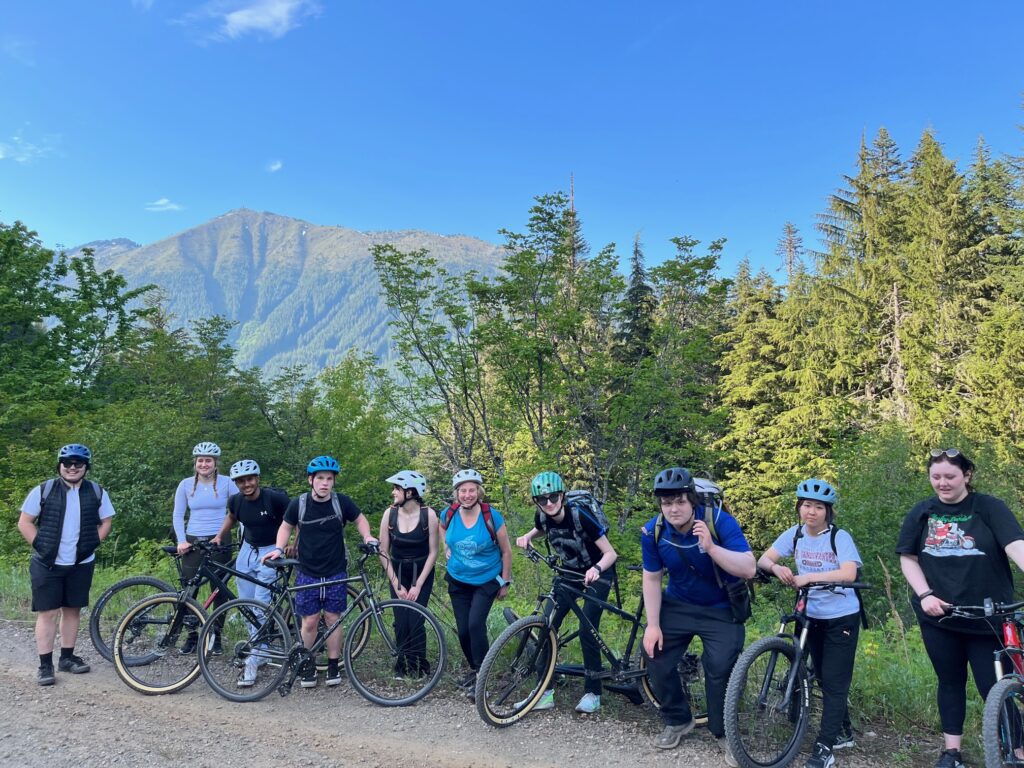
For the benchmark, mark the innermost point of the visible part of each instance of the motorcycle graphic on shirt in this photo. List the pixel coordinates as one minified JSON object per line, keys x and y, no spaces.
{"x":946,"y":538}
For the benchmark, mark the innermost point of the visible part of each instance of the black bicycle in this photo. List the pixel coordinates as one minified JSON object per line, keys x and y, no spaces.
{"x":394,"y":650}
{"x":767,"y":703}
{"x":521,"y":663}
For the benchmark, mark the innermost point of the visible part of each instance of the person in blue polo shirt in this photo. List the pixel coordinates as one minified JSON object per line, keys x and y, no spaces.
{"x":694,"y":603}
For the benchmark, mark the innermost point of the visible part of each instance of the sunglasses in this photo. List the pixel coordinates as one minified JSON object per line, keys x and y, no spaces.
{"x":551,"y":498}
{"x":950,"y":453}
{"x":73,"y":463}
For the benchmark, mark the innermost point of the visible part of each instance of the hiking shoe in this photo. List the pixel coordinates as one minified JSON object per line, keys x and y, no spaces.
{"x":950,"y":758}
{"x":589,"y":704}
{"x":727,"y":756}
{"x":189,"y":646}
{"x":671,"y":735}
{"x":45,"y":675}
{"x":73,"y":664}
{"x":333,"y":674}
{"x":821,"y":757}
{"x":248,"y":677}
{"x":845,"y":739}
{"x":309,"y":676}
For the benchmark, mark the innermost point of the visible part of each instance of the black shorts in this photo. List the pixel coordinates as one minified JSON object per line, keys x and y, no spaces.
{"x":62,"y":586}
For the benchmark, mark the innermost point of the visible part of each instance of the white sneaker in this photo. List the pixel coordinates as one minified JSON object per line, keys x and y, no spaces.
{"x":248,"y":677}
{"x":723,"y":744}
{"x":589,"y":704}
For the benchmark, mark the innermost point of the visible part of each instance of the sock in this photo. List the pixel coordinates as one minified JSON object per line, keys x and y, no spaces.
{"x":46,"y":658}
{"x":67,"y":653}
{"x":332,"y":665}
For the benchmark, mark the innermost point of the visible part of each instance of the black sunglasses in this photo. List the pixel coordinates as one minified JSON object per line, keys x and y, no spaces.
{"x":550,"y":498}
{"x":951,"y":453}
{"x":73,"y":463}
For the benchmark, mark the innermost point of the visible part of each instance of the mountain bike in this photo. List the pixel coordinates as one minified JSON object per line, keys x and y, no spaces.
{"x":386,"y":663}
{"x":767,"y":702}
{"x":521,"y":663}
{"x":1002,"y":727}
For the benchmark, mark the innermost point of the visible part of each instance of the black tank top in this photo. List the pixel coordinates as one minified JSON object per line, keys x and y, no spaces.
{"x":409,"y":550}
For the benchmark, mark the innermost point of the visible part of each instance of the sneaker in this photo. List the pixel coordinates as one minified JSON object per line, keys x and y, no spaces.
{"x":727,"y":756}
{"x":45,"y":675}
{"x":216,"y":649}
{"x":333,"y":674}
{"x":589,"y":704}
{"x":189,"y":646}
{"x":950,"y":758}
{"x":309,"y":676}
{"x":845,"y":739}
{"x":73,"y":664}
{"x":469,"y":681}
{"x":821,"y":757}
{"x":248,"y":677}
{"x":547,"y":701}
{"x":671,"y":735}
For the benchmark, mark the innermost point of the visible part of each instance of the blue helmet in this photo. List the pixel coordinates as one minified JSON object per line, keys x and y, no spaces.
{"x":322,"y":464}
{"x":76,"y":450}
{"x":816,"y":490}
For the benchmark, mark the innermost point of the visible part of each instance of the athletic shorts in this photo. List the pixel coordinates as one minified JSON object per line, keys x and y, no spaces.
{"x":62,"y":586}
{"x":332,"y":599}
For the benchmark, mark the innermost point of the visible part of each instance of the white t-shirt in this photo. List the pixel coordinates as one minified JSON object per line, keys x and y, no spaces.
{"x":814,"y":555}
{"x":68,"y":549}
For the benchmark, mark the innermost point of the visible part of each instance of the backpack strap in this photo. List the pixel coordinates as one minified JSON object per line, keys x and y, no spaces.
{"x":302,"y":507}
{"x":393,"y":518}
{"x":424,"y":519}
{"x":485,"y":510}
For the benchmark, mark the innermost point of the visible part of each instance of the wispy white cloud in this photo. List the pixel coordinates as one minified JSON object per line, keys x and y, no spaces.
{"x":163,"y":204}
{"x":21,"y":49}
{"x":233,"y":19}
{"x":22,"y":150}
{"x":274,"y":166}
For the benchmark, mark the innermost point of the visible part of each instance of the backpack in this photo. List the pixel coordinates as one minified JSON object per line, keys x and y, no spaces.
{"x":581,"y":504}
{"x":235,"y":500}
{"x":832,"y":543}
{"x":710,"y":497}
{"x":393,"y":519}
{"x":334,"y":503}
{"x":485,"y":510}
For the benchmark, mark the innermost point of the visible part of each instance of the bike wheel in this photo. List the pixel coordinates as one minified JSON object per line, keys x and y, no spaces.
{"x":256,"y":645}
{"x":691,"y":676}
{"x":1002,"y":728}
{"x":508,"y":684}
{"x":147,"y":644}
{"x":395,"y":653}
{"x":765,"y":728}
{"x":115,"y":601}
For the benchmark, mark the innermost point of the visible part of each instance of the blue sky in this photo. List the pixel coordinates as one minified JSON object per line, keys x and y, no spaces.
{"x":142,"y":118}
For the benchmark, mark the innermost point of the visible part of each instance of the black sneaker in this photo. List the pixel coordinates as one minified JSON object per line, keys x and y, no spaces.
{"x":189,"y":646}
{"x":333,"y":674}
{"x":73,"y":664}
{"x":309,"y":676}
{"x":45,"y":675}
{"x":950,"y":758}
{"x":845,"y":739}
{"x":821,"y":757}
{"x":216,"y":649}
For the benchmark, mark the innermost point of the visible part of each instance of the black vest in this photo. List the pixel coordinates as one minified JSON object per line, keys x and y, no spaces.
{"x":51,"y":522}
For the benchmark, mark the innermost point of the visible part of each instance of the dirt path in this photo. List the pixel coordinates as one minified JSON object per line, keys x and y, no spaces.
{"x":95,"y":720}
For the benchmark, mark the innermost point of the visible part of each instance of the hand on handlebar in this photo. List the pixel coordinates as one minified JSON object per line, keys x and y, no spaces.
{"x":935,"y":606}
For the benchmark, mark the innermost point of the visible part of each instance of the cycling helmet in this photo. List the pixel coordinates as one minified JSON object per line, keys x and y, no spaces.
{"x":817,"y":490}
{"x":672,"y":481}
{"x":75,"y":450}
{"x":408,"y":479}
{"x":546,"y":482}
{"x":322,"y":464}
{"x":466,"y":476}
{"x":206,"y":449}
{"x":244,"y":468}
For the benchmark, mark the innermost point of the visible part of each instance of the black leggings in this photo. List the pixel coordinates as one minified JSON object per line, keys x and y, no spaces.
{"x":409,"y":627}
{"x":833,"y":647}
{"x":471,"y":603}
{"x":950,"y":652}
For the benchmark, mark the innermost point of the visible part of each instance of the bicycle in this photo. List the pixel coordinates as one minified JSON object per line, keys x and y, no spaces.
{"x":512,"y":679}
{"x":767,"y":701}
{"x":382,"y":667}
{"x":1002,"y":727}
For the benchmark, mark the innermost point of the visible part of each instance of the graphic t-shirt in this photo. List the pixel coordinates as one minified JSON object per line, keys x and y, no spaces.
{"x":562,"y":536}
{"x":322,"y":535}
{"x":814,"y":555}
{"x":475,"y":559}
{"x":961,"y":549}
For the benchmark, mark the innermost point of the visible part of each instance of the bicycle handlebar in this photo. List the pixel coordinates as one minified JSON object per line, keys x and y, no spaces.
{"x":202,"y":546}
{"x":988,"y":609}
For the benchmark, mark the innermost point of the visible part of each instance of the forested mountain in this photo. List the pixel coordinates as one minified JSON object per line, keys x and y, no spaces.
{"x":300,"y":292}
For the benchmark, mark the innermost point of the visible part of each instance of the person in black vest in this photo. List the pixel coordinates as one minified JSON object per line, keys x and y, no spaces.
{"x":408,"y":545}
{"x":955,"y":549}
{"x":64,"y":520}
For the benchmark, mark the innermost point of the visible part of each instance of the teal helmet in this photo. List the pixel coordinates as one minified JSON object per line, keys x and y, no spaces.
{"x":817,"y":490}
{"x":546,"y":482}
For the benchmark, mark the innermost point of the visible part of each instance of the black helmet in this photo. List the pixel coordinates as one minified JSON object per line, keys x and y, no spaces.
{"x":673,"y":481}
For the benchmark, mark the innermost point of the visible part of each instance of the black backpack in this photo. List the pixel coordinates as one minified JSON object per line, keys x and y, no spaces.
{"x":832,"y":543}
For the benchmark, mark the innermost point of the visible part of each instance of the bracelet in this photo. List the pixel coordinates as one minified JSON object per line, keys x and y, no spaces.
{"x":927,"y":593}
{"x":597,"y":567}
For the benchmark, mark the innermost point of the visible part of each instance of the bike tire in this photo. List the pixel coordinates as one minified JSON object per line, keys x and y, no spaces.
{"x":691,"y":677}
{"x":249,"y":630}
{"x":390,"y":666}
{"x":508,"y":684}
{"x":1003,"y":722}
{"x":763,"y":728}
{"x":111,"y":606}
{"x":147,"y":656}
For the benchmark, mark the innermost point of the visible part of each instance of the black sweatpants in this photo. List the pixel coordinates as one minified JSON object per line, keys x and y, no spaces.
{"x":833,"y":647}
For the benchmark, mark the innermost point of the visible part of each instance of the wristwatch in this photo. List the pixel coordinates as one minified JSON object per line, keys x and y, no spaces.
{"x":597,"y":567}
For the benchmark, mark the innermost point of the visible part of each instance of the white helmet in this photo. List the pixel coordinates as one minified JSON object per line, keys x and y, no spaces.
{"x":244,"y":468}
{"x":466,"y":476}
{"x":206,"y":449}
{"x":408,"y":479}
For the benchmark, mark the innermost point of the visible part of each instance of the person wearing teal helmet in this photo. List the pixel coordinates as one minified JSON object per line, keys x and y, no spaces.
{"x":581,"y":543}
{"x":822,"y":553}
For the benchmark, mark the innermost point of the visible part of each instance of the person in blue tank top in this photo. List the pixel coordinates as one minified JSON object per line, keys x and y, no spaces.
{"x":835,"y":616}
